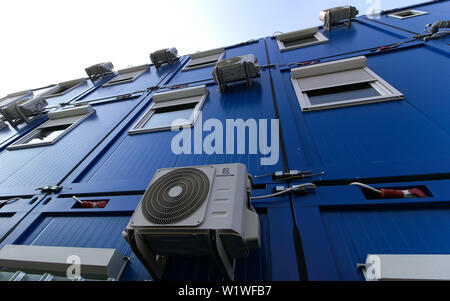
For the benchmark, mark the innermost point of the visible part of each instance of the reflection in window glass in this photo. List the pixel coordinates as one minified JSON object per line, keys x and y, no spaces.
{"x":47,"y":134}
{"x":341,"y":93}
{"x":297,"y":42}
{"x":164,"y":117}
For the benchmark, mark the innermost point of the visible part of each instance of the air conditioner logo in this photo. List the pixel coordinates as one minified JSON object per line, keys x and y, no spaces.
{"x":241,"y":137}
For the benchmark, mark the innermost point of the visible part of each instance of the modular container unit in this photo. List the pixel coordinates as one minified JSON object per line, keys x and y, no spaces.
{"x":341,"y":225}
{"x":28,"y":168}
{"x":130,"y":160}
{"x":398,"y":143}
{"x":398,"y":138}
{"x":58,"y":221}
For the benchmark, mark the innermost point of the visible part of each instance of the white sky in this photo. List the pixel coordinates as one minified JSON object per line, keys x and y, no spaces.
{"x":47,"y":41}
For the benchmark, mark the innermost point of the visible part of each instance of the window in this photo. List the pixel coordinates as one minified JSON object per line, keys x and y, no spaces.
{"x":404,"y":14}
{"x":59,"y":123}
{"x":174,"y":108}
{"x":65,"y":87}
{"x":204,"y":59}
{"x":300,"y":38}
{"x":340,"y":83}
{"x":127,"y":75}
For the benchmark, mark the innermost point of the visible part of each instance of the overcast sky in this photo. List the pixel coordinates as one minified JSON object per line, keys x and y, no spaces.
{"x":48,"y":41}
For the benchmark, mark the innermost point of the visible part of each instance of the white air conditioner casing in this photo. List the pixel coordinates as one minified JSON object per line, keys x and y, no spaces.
{"x":334,"y":15}
{"x":160,"y":57}
{"x":32,"y":106}
{"x":22,"y":105}
{"x":99,"y":70}
{"x":221,"y":221}
{"x":235,"y":69}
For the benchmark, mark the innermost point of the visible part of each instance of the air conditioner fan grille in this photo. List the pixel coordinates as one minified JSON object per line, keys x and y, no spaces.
{"x":175,"y":196}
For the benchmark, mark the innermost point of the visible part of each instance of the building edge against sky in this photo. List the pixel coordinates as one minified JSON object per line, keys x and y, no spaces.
{"x":364,"y":102}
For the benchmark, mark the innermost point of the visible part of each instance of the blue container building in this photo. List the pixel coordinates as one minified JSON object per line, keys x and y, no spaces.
{"x":400,"y":141}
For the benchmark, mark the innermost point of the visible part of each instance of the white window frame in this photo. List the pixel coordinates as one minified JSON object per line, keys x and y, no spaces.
{"x":196,"y":95}
{"x":301,"y":34}
{"x":218,"y":51}
{"x":415,"y":12}
{"x":387,"y":91}
{"x":72,"y":84}
{"x":72,"y":117}
{"x":113,"y":81}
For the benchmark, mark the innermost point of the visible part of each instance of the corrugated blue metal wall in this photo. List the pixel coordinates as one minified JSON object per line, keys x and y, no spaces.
{"x":401,"y":143}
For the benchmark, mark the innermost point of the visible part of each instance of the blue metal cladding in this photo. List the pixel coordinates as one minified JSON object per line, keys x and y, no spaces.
{"x":437,"y":11}
{"x":149,"y":79}
{"x":88,"y":85}
{"x":25,"y":170}
{"x":55,"y":222}
{"x":340,"y":227}
{"x":13,"y":213}
{"x":255,"y":47}
{"x":362,"y":35}
{"x":47,"y":165}
{"x":135,"y":158}
{"x":394,"y":138}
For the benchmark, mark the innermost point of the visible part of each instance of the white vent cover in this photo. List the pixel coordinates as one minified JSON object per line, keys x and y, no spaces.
{"x":193,"y":210}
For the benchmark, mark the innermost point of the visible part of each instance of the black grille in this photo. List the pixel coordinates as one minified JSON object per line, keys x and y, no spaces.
{"x":175,"y":196}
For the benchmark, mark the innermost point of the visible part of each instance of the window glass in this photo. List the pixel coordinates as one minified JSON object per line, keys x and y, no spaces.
{"x":127,"y":75}
{"x":59,"y":124}
{"x":183,"y":105}
{"x":296,"y":42}
{"x":300,"y":38}
{"x":47,"y":134}
{"x":407,"y":14}
{"x":164,"y":117}
{"x":340,"y":83}
{"x":341,"y":93}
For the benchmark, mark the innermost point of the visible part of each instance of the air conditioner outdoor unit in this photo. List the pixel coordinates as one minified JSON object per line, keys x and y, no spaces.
{"x":160,"y":57}
{"x":195,"y":211}
{"x":235,"y":69}
{"x":2,"y":124}
{"x":334,"y":15}
{"x":99,"y":70}
{"x":21,"y":105}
